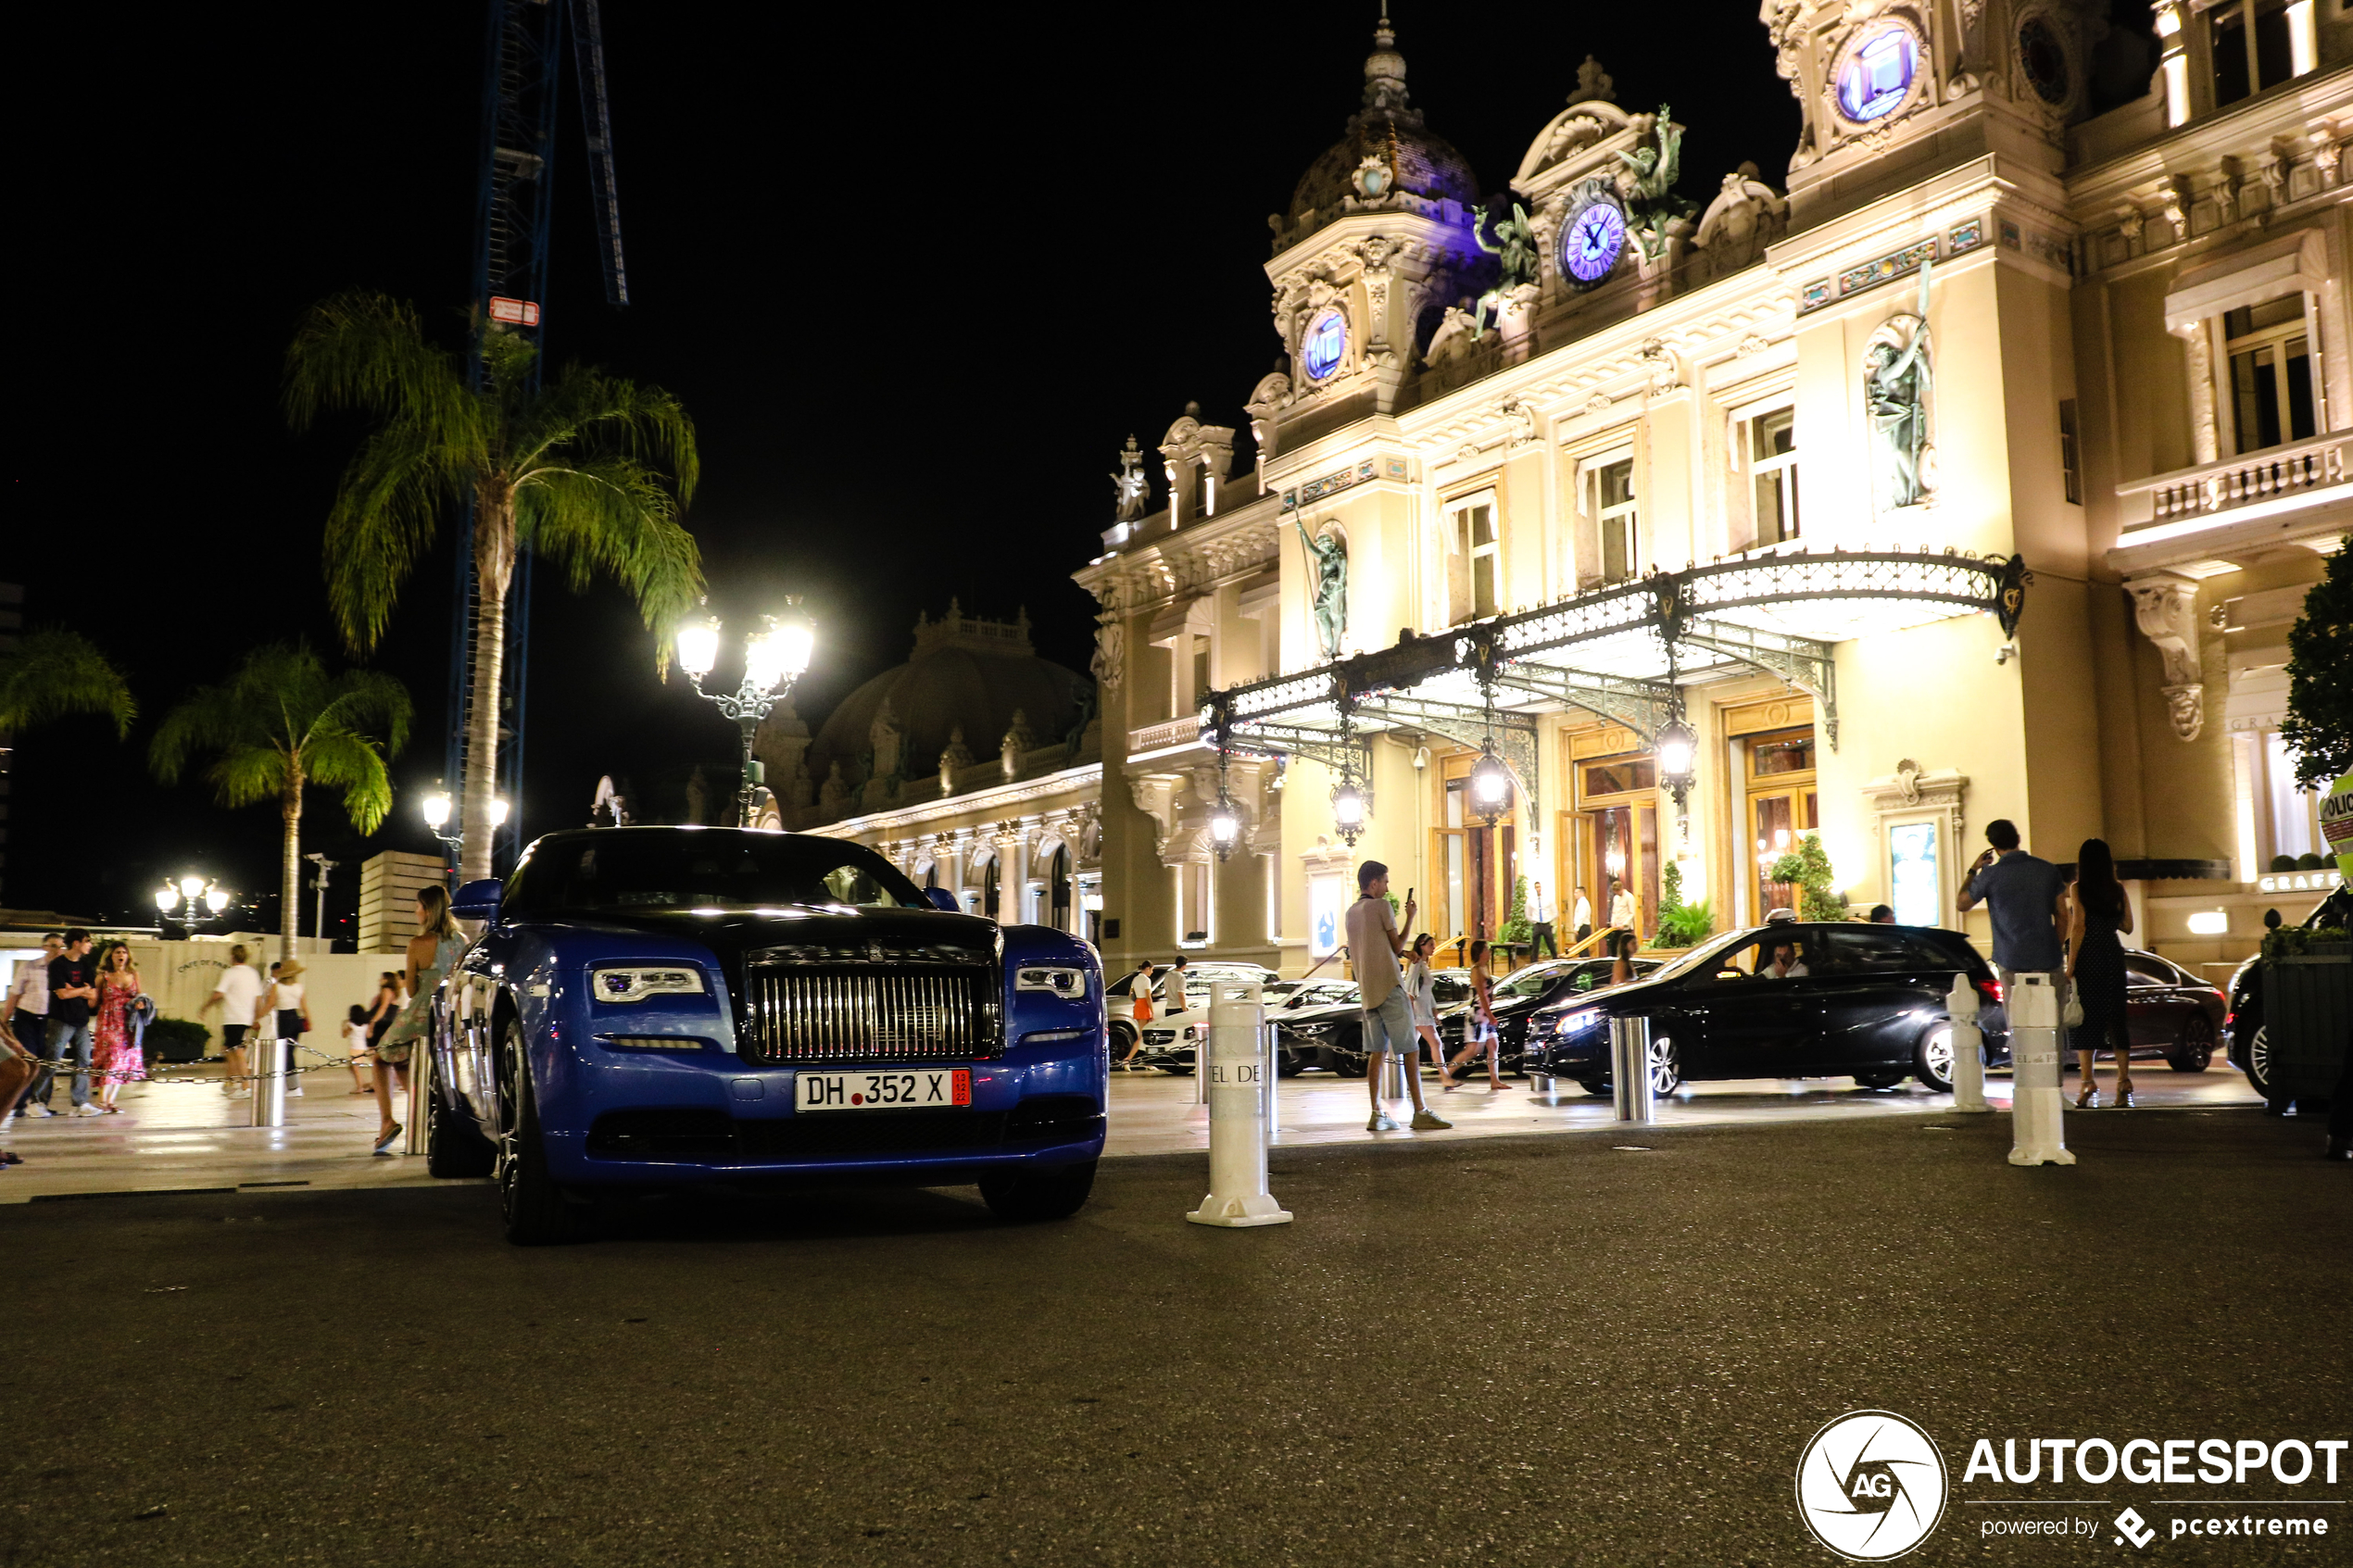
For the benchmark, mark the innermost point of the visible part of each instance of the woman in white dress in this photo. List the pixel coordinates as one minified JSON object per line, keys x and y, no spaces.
{"x":1421,"y":1003}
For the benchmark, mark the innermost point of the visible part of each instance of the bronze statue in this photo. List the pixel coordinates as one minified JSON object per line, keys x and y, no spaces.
{"x":1328,"y":558}
{"x":1517,"y":249}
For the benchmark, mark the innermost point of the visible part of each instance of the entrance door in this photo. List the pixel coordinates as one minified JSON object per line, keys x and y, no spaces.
{"x":1617,"y":836}
{"x":1782,"y":806}
{"x":1476,"y":863}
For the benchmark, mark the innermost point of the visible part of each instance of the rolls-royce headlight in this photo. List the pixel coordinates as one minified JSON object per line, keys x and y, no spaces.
{"x":1059,"y":981}
{"x":635,"y":982}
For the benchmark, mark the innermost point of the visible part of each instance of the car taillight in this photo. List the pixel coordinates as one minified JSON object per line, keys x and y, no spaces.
{"x":1991,"y":990}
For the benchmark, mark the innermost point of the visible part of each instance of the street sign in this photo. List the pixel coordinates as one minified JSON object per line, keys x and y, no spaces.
{"x":516,"y":312}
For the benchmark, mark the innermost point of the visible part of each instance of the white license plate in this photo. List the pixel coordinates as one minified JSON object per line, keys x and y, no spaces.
{"x":912,"y":1089}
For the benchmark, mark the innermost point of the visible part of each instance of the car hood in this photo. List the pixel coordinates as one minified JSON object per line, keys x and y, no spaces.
{"x":808,"y":935}
{"x":1323,"y":1012}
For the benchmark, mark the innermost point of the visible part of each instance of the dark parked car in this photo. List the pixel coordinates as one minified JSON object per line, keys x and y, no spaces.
{"x":656,"y":1006}
{"x":2169,"y":1011}
{"x":1520,"y":995}
{"x":2243,"y":1023}
{"x":1331,"y":1033}
{"x":1866,"y":1001}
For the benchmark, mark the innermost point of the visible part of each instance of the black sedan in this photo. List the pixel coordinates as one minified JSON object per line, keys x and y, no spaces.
{"x":2250,"y":1049}
{"x":1330,"y":1032}
{"x":1793,"y":1001}
{"x":1517,"y":996}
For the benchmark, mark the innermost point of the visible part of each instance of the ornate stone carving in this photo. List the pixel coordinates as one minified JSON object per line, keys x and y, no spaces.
{"x":1131,"y":488}
{"x":954,"y":757}
{"x":1897,"y":382}
{"x":1111,"y":641}
{"x":1016,"y":742}
{"x":2130,"y":223}
{"x":1662,"y":368}
{"x":2326,"y":153}
{"x":2164,"y":606}
{"x":1328,"y":560}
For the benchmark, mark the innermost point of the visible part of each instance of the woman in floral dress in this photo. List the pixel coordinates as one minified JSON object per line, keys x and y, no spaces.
{"x":119,"y":1059}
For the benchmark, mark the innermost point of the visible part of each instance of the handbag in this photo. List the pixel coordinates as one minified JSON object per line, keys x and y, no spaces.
{"x":2072,"y":1014}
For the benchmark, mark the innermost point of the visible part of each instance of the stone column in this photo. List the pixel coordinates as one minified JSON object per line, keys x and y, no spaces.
{"x":1012,"y":872}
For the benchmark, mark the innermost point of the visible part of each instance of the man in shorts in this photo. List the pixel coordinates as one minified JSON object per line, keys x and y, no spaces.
{"x":1374,"y":947}
{"x":239,"y":988}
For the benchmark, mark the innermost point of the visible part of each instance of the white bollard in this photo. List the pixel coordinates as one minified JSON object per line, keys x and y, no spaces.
{"x":2038,"y":1134}
{"x":1969,"y":1047}
{"x":1234,"y":1073}
{"x":270,"y":1059}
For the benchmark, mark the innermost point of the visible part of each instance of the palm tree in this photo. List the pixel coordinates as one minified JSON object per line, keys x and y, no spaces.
{"x":590,"y":471}
{"x":278,"y":724}
{"x":51,"y":673}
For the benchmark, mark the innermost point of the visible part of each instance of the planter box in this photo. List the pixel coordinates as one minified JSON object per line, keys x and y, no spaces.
{"x":2307,"y":1005}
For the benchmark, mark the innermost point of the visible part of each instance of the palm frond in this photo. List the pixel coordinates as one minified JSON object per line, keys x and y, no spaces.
{"x":351,"y":762}
{"x":384,"y":518}
{"x":368,"y":351}
{"x":366,"y":702}
{"x":54,"y":672}
{"x":246,"y":774}
{"x":588,"y":411}
{"x":613,"y":515}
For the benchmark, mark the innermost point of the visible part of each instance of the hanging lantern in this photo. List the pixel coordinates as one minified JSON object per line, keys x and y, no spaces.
{"x":1491,"y":785}
{"x":1225,"y":826}
{"x":1348,"y":809}
{"x":1677,"y":751}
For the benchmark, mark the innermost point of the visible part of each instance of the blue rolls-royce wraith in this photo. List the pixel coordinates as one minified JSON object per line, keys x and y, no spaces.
{"x":651,"y":1007}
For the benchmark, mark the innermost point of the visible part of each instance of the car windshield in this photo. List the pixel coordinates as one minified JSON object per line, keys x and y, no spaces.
{"x":624,"y":872}
{"x":1699,"y":957}
{"x":1530,"y":981}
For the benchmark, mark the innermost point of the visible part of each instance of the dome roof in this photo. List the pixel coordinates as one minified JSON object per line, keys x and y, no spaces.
{"x":1388,"y":127}
{"x":966,"y":674}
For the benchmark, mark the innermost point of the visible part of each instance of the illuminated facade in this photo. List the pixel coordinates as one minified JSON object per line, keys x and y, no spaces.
{"x":1549,"y":479}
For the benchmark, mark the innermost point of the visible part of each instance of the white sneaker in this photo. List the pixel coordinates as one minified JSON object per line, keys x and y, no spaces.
{"x":241,"y":1093}
{"x":294,"y":1093}
{"x":1430,"y":1122}
{"x":36,"y":1111}
{"x":87,"y":1111}
{"x":1380,"y":1123}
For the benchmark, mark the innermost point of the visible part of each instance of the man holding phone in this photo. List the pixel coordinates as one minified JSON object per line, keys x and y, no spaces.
{"x":1374,"y":947}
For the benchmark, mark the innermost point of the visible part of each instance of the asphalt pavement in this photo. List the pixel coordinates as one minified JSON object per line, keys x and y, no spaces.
{"x":1606,"y":1346}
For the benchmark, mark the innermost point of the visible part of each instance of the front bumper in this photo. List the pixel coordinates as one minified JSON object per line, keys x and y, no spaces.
{"x":711,"y":1119}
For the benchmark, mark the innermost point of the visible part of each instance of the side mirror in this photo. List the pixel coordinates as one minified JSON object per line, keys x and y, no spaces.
{"x":478,"y":901}
{"x":943,"y":899}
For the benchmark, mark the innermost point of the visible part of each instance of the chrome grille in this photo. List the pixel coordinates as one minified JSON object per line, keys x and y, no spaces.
{"x":869,"y":1014}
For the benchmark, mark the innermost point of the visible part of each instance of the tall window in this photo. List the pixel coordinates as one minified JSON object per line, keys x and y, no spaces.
{"x":1613,"y":514}
{"x":1058,"y":884}
{"x":2270,"y":373}
{"x":2248,"y":59}
{"x":1197,"y":895}
{"x":1768,"y":450}
{"x":1200,"y":666}
{"x":1473,"y":571}
{"x":2070,"y":454}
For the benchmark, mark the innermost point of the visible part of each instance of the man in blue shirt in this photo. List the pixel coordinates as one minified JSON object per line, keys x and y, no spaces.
{"x":2022,"y":894}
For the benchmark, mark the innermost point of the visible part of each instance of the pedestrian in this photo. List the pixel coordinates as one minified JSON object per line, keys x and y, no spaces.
{"x":390,"y":998}
{"x":2021,"y":895}
{"x":286,"y":1011}
{"x":235,"y":994}
{"x":1541,"y":942}
{"x":1139,"y":1008}
{"x":432,"y":954}
{"x":1480,"y":1034}
{"x":1421,"y":1003}
{"x":25,"y":1020}
{"x":119,"y":1059}
{"x":1583,"y":916}
{"x":2098,"y":917}
{"x":1175,"y":982}
{"x":355,"y":1040}
{"x":1374,"y":947}
{"x":1620,"y":941}
{"x":17,"y":1067}
{"x":1883,"y":915}
{"x":73,"y":992}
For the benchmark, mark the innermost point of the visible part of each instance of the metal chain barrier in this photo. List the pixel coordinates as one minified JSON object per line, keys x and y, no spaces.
{"x":68,"y":1068}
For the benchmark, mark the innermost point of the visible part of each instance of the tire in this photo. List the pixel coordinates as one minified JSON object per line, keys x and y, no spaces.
{"x":453,"y":1146}
{"x":2259,"y":1062}
{"x":1597,"y":1087}
{"x":535,"y":1210}
{"x":1666,"y":1068}
{"x":1046,"y":1194}
{"x":1122,"y":1040}
{"x":1879,"y":1080}
{"x":1288,"y":1063}
{"x":2194,"y":1052}
{"x":1933,"y":1060}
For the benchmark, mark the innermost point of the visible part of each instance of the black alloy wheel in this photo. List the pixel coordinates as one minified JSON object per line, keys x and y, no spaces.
{"x":1041,"y":1194}
{"x":2194,"y":1052}
{"x":453,"y":1146}
{"x":536,"y":1211}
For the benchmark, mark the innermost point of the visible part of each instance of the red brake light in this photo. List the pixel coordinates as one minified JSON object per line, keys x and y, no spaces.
{"x":1991,"y":990}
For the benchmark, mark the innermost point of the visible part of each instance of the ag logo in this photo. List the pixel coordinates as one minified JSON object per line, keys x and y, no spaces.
{"x":1870,"y":1486}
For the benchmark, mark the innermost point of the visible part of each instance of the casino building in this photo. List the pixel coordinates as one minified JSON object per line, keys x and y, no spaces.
{"x":1973,"y":466}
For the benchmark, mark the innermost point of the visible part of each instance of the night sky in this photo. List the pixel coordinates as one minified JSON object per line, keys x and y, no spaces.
{"x":916,"y":272}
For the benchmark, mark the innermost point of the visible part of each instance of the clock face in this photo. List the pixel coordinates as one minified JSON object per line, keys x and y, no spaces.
{"x":1877,"y":74}
{"x":1327,"y":340}
{"x":1591,"y":243}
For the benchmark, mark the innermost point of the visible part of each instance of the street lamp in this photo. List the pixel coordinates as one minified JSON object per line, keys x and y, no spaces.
{"x":1348,"y":808}
{"x":774,"y":657}
{"x":193,"y":897}
{"x":1490,"y":784}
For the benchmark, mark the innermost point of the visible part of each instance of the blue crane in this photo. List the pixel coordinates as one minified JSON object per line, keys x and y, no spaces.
{"x":521,"y":81}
